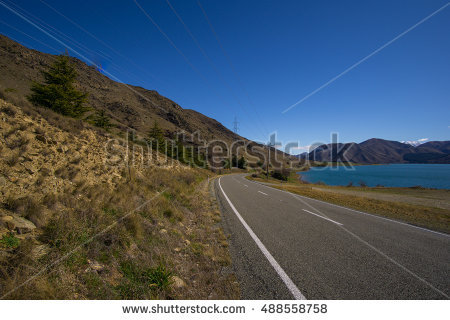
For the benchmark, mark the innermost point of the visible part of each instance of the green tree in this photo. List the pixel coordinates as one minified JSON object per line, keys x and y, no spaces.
{"x":101,"y":119}
{"x":156,"y":137}
{"x":234,"y":161}
{"x":242,"y":163}
{"x":185,"y":154}
{"x":58,"y":92}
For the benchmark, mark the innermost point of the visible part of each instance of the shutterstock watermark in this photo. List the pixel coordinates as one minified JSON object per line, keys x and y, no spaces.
{"x":219,"y":154}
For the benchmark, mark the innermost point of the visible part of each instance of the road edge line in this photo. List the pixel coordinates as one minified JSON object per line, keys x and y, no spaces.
{"x":279,"y":270}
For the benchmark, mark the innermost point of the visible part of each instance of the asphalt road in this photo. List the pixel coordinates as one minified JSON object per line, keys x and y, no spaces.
{"x":286,"y":246}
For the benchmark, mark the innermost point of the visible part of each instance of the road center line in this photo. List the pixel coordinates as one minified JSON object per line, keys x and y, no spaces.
{"x":323,"y":217}
{"x":284,"y":277}
{"x":262,"y":193}
{"x":353,"y":210}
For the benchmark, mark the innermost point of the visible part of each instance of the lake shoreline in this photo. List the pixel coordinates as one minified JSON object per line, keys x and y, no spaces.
{"x":426,"y":176}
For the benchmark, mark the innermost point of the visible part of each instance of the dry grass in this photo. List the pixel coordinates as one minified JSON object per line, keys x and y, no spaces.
{"x":174,"y":235}
{"x":113,"y":252}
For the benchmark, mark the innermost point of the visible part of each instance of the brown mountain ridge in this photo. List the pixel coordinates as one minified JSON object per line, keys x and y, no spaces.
{"x":377,"y":151}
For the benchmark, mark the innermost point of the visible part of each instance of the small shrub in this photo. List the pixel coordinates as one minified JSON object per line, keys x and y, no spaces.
{"x":362,"y":184}
{"x":8,"y":111}
{"x":101,"y":120}
{"x":134,"y":226}
{"x":13,"y":159}
{"x":197,"y":248}
{"x":139,"y":283}
{"x":168,"y":213}
{"x":66,"y":172}
{"x":39,"y":181}
{"x":75,"y":160}
{"x":10,"y":241}
{"x":26,"y":207}
{"x":282,"y":174}
{"x":39,"y":131}
{"x":10,"y":132}
{"x":188,"y":178}
{"x":110,"y":211}
{"x":20,"y":143}
{"x":350,"y":184}
{"x":45,"y":172}
{"x":10,"y":203}
{"x":159,"y":277}
{"x":34,"y":212}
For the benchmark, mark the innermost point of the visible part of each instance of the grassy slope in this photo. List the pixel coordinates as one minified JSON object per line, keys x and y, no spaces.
{"x":434,"y":217}
{"x":90,"y":241}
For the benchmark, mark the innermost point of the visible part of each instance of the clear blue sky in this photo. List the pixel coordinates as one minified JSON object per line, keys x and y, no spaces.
{"x":280,"y":51}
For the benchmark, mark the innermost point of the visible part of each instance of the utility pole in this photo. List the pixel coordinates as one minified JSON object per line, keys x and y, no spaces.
{"x":235,"y":125}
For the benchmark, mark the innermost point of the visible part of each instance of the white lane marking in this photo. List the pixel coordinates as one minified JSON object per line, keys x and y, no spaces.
{"x":323,"y":217}
{"x":262,"y":193}
{"x":246,"y":185}
{"x":360,"y":212}
{"x":283,"y":275}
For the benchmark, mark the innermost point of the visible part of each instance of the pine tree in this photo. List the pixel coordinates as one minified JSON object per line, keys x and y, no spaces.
{"x":242,"y":163}
{"x":234,"y":161}
{"x":101,"y":119}
{"x":58,"y":92}
{"x":156,"y":137}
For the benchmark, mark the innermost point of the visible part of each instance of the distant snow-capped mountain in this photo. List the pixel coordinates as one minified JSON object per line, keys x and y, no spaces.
{"x":415,"y":143}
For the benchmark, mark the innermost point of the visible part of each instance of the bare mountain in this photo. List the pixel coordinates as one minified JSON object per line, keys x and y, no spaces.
{"x":374,"y":151}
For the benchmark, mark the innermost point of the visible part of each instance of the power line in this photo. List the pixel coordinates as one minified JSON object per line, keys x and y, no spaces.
{"x":78,"y":53}
{"x":230,"y":63}
{"x":149,"y":17}
{"x":26,"y":34}
{"x":100,"y":41}
{"x":216,"y":70}
{"x":186,"y":59}
{"x":71,"y":40}
{"x":326,"y":84}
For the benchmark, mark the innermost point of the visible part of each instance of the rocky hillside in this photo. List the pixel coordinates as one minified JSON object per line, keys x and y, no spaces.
{"x":128,"y":106}
{"x":376,"y":151}
{"x":138,"y":110}
{"x":74,"y":225}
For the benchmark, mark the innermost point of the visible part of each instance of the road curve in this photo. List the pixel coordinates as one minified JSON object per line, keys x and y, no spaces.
{"x":286,"y":246}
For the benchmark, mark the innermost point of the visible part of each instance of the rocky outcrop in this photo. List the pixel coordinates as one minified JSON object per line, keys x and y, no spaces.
{"x":17,"y":224}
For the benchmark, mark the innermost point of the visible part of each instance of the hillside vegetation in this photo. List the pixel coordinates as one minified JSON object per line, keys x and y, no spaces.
{"x":72,"y":227}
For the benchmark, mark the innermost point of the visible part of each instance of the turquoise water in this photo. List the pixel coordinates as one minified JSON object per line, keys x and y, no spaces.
{"x":393,"y":175}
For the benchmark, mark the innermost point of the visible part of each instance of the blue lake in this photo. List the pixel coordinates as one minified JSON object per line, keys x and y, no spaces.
{"x":393,"y":175}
